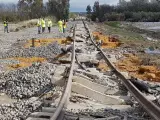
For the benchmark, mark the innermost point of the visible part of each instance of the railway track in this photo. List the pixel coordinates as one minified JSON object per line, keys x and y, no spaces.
{"x":58,"y":113}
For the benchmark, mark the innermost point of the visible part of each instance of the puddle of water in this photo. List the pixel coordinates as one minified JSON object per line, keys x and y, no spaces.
{"x":148,"y":51}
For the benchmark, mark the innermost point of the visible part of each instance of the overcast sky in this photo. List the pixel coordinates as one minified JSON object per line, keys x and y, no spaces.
{"x":78,"y":5}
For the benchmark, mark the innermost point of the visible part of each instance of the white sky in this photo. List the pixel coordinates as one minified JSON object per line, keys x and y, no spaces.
{"x":77,"y":5}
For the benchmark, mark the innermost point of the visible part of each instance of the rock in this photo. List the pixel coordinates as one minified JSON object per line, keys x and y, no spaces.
{"x":151,"y":97}
{"x":126,"y":75}
{"x":66,"y":58}
{"x":85,"y":57}
{"x":79,"y":39}
{"x":18,"y":110}
{"x":26,"y":82}
{"x":60,"y":70}
{"x":43,"y":51}
{"x":158,"y":89}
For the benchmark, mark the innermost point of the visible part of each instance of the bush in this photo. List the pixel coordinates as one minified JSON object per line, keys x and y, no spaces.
{"x":128,"y":15}
{"x":11,"y":17}
{"x":145,"y":17}
{"x":134,"y":16}
{"x":72,"y":15}
{"x":114,"y":16}
{"x":113,"y":23}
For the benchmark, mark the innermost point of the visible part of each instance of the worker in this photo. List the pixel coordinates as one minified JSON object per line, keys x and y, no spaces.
{"x":60,"y":24}
{"x":64,"y":26}
{"x":49,"y":25}
{"x":39,"y":26}
{"x":43,"y":23}
{"x":6,"y":26}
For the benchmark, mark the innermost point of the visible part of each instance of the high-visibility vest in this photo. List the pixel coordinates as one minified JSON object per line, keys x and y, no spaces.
{"x":64,"y":25}
{"x":60,"y":23}
{"x":43,"y":23}
{"x":49,"y":23}
{"x":39,"y":23}
{"x":5,"y":23}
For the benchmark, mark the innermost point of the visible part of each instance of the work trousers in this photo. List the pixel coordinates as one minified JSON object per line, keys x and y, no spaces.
{"x":43,"y":29}
{"x":64,"y":30}
{"x":49,"y":29}
{"x":61,"y":29}
{"x":39,"y":29}
{"x":6,"y":29}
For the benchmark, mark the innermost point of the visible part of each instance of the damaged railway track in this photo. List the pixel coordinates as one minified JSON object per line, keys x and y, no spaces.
{"x":149,"y":106}
{"x":86,"y":88}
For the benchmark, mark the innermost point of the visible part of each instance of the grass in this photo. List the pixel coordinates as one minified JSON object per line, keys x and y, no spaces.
{"x":31,"y":23}
{"x":53,"y":19}
{"x":133,"y":40}
{"x":125,"y":35}
{"x":114,"y":24}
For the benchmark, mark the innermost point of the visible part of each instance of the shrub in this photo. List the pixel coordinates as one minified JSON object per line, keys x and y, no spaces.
{"x":134,"y":16}
{"x":114,"y":16}
{"x":113,"y":23}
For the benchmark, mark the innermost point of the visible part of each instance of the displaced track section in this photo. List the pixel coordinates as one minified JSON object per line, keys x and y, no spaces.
{"x":58,"y":113}
{"x":65,"y":98}
{"x":149,"y":106}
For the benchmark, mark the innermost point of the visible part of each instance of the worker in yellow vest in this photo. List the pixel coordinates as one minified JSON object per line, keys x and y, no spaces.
{"x":6,"y":26}
{"x":39,"y":26}
{"x":43,"y":23}
{"x":49,"y":25}
{"x":60,"y":24}
{"x":64,"y":26}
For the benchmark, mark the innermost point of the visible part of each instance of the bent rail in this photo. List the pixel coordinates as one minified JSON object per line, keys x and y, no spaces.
{"x":66,"y":95}
{"x":149,"y":106}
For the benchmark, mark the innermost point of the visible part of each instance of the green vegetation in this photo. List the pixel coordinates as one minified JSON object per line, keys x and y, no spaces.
{"x":53,"y":19}
{"x":89,"y":11}
{"x":115,"y":24}
{"x":72,"y":15}
{"x":59,"y":8}
{"x":126,"y":35}
{"x":32,"y":9}
{"x":134,"y":40}
{"x":133,"y":10}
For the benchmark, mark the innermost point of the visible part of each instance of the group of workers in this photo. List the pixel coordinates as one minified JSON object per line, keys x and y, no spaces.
{"x":41,"y":24}
{"x":62,"y":26}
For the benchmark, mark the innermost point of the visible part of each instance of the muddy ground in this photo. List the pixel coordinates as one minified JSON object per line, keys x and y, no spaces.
{"x":135,"y":36}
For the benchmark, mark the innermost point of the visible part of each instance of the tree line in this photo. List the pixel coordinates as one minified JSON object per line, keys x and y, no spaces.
{"x":30,"y":9}
{"x":133,"y":10}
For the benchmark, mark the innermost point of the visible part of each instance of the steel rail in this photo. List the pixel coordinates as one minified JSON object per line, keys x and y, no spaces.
{"x":67,"y":92}
{"x":148,"y":105}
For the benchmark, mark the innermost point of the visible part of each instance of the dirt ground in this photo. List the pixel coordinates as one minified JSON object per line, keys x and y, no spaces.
{"x":134,"y":41}
{"x":134,"y":38}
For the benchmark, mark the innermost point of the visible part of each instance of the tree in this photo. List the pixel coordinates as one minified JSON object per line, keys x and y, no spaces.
{"x":96,"y":11}
{"x":36,"y":8}
{"x":59,"y":8}
{"x":8,"y":11}
{"x":121,"y":2}
{"x":30,"y":8}
{"x":89,"y":11}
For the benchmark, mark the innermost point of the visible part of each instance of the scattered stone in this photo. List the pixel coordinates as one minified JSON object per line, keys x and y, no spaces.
{"x":18,"y":110}
{"x":27,"y":82}
{"x":48,"y":51}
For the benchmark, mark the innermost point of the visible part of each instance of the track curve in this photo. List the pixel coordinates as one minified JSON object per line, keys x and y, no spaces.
{"x":149,"y":106}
